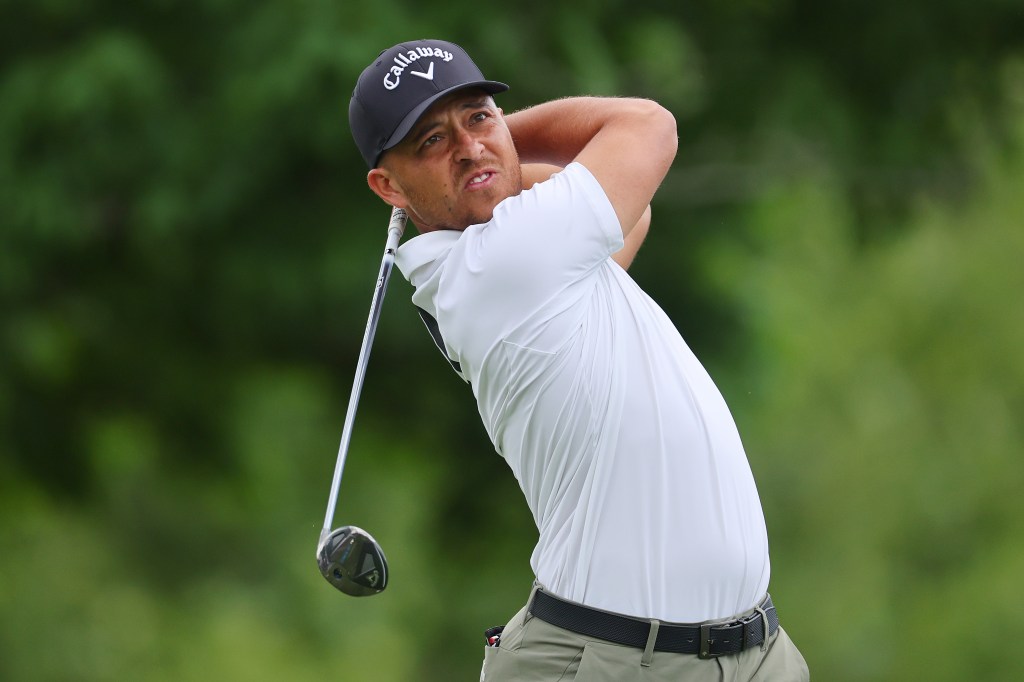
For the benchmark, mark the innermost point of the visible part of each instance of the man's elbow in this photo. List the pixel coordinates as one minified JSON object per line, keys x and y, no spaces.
{"x":667,"y":131}
{"x":660,"y":124}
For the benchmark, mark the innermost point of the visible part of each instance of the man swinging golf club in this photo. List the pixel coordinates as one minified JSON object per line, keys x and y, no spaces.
{"x":652,"y":557}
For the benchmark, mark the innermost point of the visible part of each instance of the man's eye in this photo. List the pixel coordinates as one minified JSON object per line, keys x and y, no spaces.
{"x":479,"y":116}
{"x":431,"y":140}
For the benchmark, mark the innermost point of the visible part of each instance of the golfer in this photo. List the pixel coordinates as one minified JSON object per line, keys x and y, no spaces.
{"x":652,"y":557}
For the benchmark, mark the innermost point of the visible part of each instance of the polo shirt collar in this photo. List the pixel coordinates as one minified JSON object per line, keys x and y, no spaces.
{"x":421,"y":259}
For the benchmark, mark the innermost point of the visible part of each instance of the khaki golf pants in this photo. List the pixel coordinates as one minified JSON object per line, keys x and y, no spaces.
{"x":532,"y":650}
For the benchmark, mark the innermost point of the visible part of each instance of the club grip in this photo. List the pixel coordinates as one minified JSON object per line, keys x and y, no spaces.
{"x":396,"y":227}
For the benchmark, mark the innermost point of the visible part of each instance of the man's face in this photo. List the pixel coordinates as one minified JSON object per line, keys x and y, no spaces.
{"x":455,"y":165}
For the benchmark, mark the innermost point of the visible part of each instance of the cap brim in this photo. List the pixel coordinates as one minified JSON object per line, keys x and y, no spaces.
{"x":491,"y":87}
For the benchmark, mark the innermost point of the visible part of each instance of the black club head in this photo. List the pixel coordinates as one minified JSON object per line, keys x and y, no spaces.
{"x":351,"y":560}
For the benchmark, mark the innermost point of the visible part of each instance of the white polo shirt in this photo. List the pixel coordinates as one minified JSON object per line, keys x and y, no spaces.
{"x":624,"y":448}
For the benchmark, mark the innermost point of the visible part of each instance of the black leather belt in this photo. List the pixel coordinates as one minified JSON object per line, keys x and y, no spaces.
{"x":707,"y":640}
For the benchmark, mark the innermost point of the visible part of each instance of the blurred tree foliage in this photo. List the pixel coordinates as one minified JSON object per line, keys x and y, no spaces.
{"x":187,"y":252}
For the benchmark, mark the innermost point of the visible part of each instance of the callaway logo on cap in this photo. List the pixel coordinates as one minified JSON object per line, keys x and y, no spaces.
{"x":394,"y":91}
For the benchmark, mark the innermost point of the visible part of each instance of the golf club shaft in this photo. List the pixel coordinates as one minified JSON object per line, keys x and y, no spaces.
{"x":395,"y":228}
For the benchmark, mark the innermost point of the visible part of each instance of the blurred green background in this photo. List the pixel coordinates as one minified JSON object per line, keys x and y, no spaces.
{"x":187,"y":254}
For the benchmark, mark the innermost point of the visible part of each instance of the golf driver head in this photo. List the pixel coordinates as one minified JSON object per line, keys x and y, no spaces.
{"x":351,"y":560}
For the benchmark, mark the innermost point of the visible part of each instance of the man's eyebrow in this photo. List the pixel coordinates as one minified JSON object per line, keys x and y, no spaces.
{"x":424,"y":126}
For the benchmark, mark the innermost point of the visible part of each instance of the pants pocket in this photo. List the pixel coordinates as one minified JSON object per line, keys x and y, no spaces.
{"x":499,"y":665}
{"x":783,"y":662}
{"x":609,"y":663}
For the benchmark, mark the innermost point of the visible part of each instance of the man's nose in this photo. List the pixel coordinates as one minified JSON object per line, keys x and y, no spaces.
{"x":468,"y":146}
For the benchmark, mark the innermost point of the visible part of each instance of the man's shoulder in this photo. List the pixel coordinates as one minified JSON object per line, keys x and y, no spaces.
{"x":569,"y":189}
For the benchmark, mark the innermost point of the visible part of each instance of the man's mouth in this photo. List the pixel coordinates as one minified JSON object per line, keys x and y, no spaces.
{"x":480,"y":179}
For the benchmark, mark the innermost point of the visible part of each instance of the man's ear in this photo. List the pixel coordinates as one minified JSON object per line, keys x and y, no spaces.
{"x":386,"y":187}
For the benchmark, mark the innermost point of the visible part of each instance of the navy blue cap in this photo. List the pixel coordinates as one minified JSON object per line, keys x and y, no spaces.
{"x":394,"y":91}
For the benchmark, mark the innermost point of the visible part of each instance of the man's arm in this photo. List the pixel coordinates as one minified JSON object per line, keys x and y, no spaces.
{"x":627,"y":144}
{"x":624,"y":256}
{"x":539,"y":172}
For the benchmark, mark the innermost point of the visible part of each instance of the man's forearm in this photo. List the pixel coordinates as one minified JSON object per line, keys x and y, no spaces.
{"x":633,"y":239}
{"x":537,"y":172}
{"x":557,"y":131}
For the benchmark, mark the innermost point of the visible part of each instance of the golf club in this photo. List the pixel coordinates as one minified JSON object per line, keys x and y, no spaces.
{"x":349,"y":557}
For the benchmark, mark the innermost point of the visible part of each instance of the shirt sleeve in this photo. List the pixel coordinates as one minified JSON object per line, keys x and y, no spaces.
{"x":541,"y":242}
{"x":568,"y":216}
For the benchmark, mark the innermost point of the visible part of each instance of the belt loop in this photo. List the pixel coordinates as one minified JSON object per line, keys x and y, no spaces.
{"x":529,"y":602}
{"x":764,"y":620}
{"x":652,"y":637}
